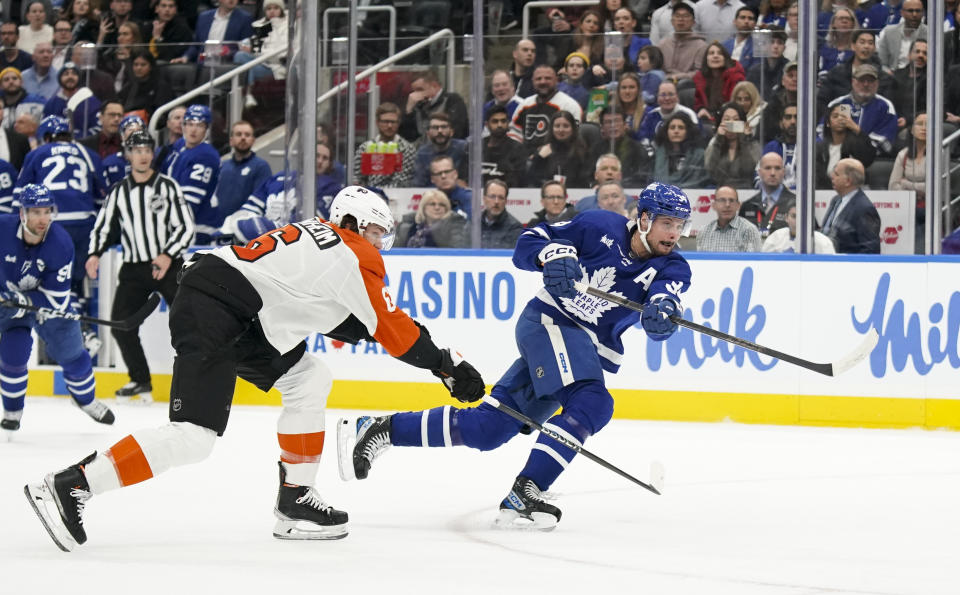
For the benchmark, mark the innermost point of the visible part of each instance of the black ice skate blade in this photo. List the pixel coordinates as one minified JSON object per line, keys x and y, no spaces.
{"x":66,"y":544}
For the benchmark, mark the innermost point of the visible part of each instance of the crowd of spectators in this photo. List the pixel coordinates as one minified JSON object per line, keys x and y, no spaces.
{"x":701,"y":94}
{"x":692,"y":93}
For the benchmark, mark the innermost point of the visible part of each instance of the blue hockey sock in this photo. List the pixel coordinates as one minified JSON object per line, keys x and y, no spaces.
{"x":78,"y":376}
{"x":13,"y":386}
{"x":15,"y":345}
{"x":549,"y":458}
{"x":431,"y":427}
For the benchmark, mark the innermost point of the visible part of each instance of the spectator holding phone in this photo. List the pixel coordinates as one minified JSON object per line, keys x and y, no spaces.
{"x":841,"y":139}
{"x":732,"y":154}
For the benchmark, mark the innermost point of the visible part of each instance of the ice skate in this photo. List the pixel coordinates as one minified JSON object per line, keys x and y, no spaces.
{"x":10,"y":423}
{"x":359,"y":444}
{"x":59,"y":502}
{"x":141,"y":390}
{"x":98,"y":412}
{"x":525,"y":508}
{"x":302,"y":514}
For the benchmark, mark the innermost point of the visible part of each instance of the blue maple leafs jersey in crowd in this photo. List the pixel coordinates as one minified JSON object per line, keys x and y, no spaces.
{"x":269,"y":199}
{"x":73,"y":175}
{"x":41,"y":272}
{"x":602,"y":239}
{"x":8,"y":180}
{"x":115,"y":168}
{"x":197,"y":171}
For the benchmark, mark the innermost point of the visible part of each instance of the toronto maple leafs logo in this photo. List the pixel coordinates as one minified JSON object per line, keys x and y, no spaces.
{"x":587,"y":307}
{"x":27,"y":283}
{"x":608,"y":242}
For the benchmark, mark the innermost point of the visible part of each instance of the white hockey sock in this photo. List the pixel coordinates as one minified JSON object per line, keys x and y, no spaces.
{"x":301,"y":474}
{"x":101,"y":475}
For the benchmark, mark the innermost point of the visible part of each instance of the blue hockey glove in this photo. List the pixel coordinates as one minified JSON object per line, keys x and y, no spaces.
{"x":11,"y":299}
{"x":655,"y":318}
{"x":561,"y":268}
{"x":461,"y":379}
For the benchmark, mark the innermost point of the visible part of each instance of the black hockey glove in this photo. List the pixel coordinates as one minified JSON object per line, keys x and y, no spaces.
{"x":461,"y":379}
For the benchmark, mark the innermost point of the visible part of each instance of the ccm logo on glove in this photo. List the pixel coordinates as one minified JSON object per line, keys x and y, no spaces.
{"x":555,"y":250}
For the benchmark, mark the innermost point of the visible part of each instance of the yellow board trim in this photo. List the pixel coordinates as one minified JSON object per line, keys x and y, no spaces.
{"x":804,"y":410}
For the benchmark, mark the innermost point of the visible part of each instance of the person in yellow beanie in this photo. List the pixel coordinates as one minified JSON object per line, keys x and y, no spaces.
{"x":577,"y":80}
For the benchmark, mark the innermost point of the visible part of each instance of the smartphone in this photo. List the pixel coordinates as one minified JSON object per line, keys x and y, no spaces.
{"x":734,"y":126}
{"x":845,"y":109}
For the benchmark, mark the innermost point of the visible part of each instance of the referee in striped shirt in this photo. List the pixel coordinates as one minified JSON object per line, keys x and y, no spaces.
{"x":147,"y":214}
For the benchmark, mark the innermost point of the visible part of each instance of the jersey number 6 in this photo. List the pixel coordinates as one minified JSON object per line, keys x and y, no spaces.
{"x":267,"y":243}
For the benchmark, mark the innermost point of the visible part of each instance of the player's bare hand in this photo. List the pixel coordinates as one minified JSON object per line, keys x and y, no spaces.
{"x":92,"y":265}
{"x":160,"y":265}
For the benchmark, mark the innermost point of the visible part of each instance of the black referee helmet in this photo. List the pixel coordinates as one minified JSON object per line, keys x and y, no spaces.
{"x":141,"y":138}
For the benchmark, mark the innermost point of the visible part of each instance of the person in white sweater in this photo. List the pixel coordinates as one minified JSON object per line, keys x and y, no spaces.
{"x":37,"y":29}
{"x":785,"y":239}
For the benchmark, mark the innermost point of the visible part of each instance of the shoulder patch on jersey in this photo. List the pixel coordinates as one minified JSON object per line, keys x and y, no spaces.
{"x":324,"y":235}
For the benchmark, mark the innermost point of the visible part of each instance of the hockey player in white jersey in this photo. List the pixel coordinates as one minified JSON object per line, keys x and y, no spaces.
{"x":245,"y":311}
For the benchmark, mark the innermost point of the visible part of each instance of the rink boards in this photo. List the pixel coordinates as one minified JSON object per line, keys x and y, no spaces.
{"x":815,"y":307}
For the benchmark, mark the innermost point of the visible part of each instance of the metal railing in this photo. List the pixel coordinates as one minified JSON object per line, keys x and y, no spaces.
{"x":441,"y":34}
{"x":325,"y":37}
{"x":232,"y":76}
{"x":548,"y":3}
{"x":950,"y":203}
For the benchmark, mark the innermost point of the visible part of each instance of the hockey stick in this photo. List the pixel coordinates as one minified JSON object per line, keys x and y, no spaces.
{"x":656,"y":469}
{"x":125,"y":325}
{"x":829,"y":369}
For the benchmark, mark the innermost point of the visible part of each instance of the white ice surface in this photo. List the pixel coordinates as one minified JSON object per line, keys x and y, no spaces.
{"x":747,"y":510}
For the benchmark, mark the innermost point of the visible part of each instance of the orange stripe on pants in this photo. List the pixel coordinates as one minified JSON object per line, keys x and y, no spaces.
{"x":129,"y":461}
{"x":300,"y":448}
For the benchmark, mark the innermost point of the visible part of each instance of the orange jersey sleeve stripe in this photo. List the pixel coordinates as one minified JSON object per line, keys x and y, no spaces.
{"x":396,"y":331}
{"x":301,"y":448}
{"x":129,"y":461}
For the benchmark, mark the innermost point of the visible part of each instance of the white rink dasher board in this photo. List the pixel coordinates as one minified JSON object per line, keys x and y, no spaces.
{"x":814,"y":307}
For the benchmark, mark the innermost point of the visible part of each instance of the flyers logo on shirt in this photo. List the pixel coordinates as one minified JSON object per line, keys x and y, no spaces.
{"x":388,"y":299}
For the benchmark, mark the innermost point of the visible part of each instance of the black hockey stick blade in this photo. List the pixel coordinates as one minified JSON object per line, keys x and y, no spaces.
{"x":656,"y":482}
{"x":125,"y":325}
{"x":829,"y":369}
{"x":140,"y":315}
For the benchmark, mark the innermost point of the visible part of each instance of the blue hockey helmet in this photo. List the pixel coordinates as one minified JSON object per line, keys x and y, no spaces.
{"x":52,"y":125}
{"x":198,"y":113}
{"x":664,"y":199}
{"x":131,"y":120}
{"x":35,"y":196}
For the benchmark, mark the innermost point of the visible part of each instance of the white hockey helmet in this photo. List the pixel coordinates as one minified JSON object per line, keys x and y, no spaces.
{"x":367,"y":207}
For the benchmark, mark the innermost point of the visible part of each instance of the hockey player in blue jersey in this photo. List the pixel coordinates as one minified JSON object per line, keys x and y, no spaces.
{"x":195,"y":165}
{"x":8,"y":180}
{"x":116,"y":167}
{"x":567,"y":340}
{"x":36,"y":269}
{"x":74,"y":176}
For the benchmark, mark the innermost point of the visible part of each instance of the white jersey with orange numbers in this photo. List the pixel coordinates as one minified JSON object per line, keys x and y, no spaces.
{"x":311,"y":276}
